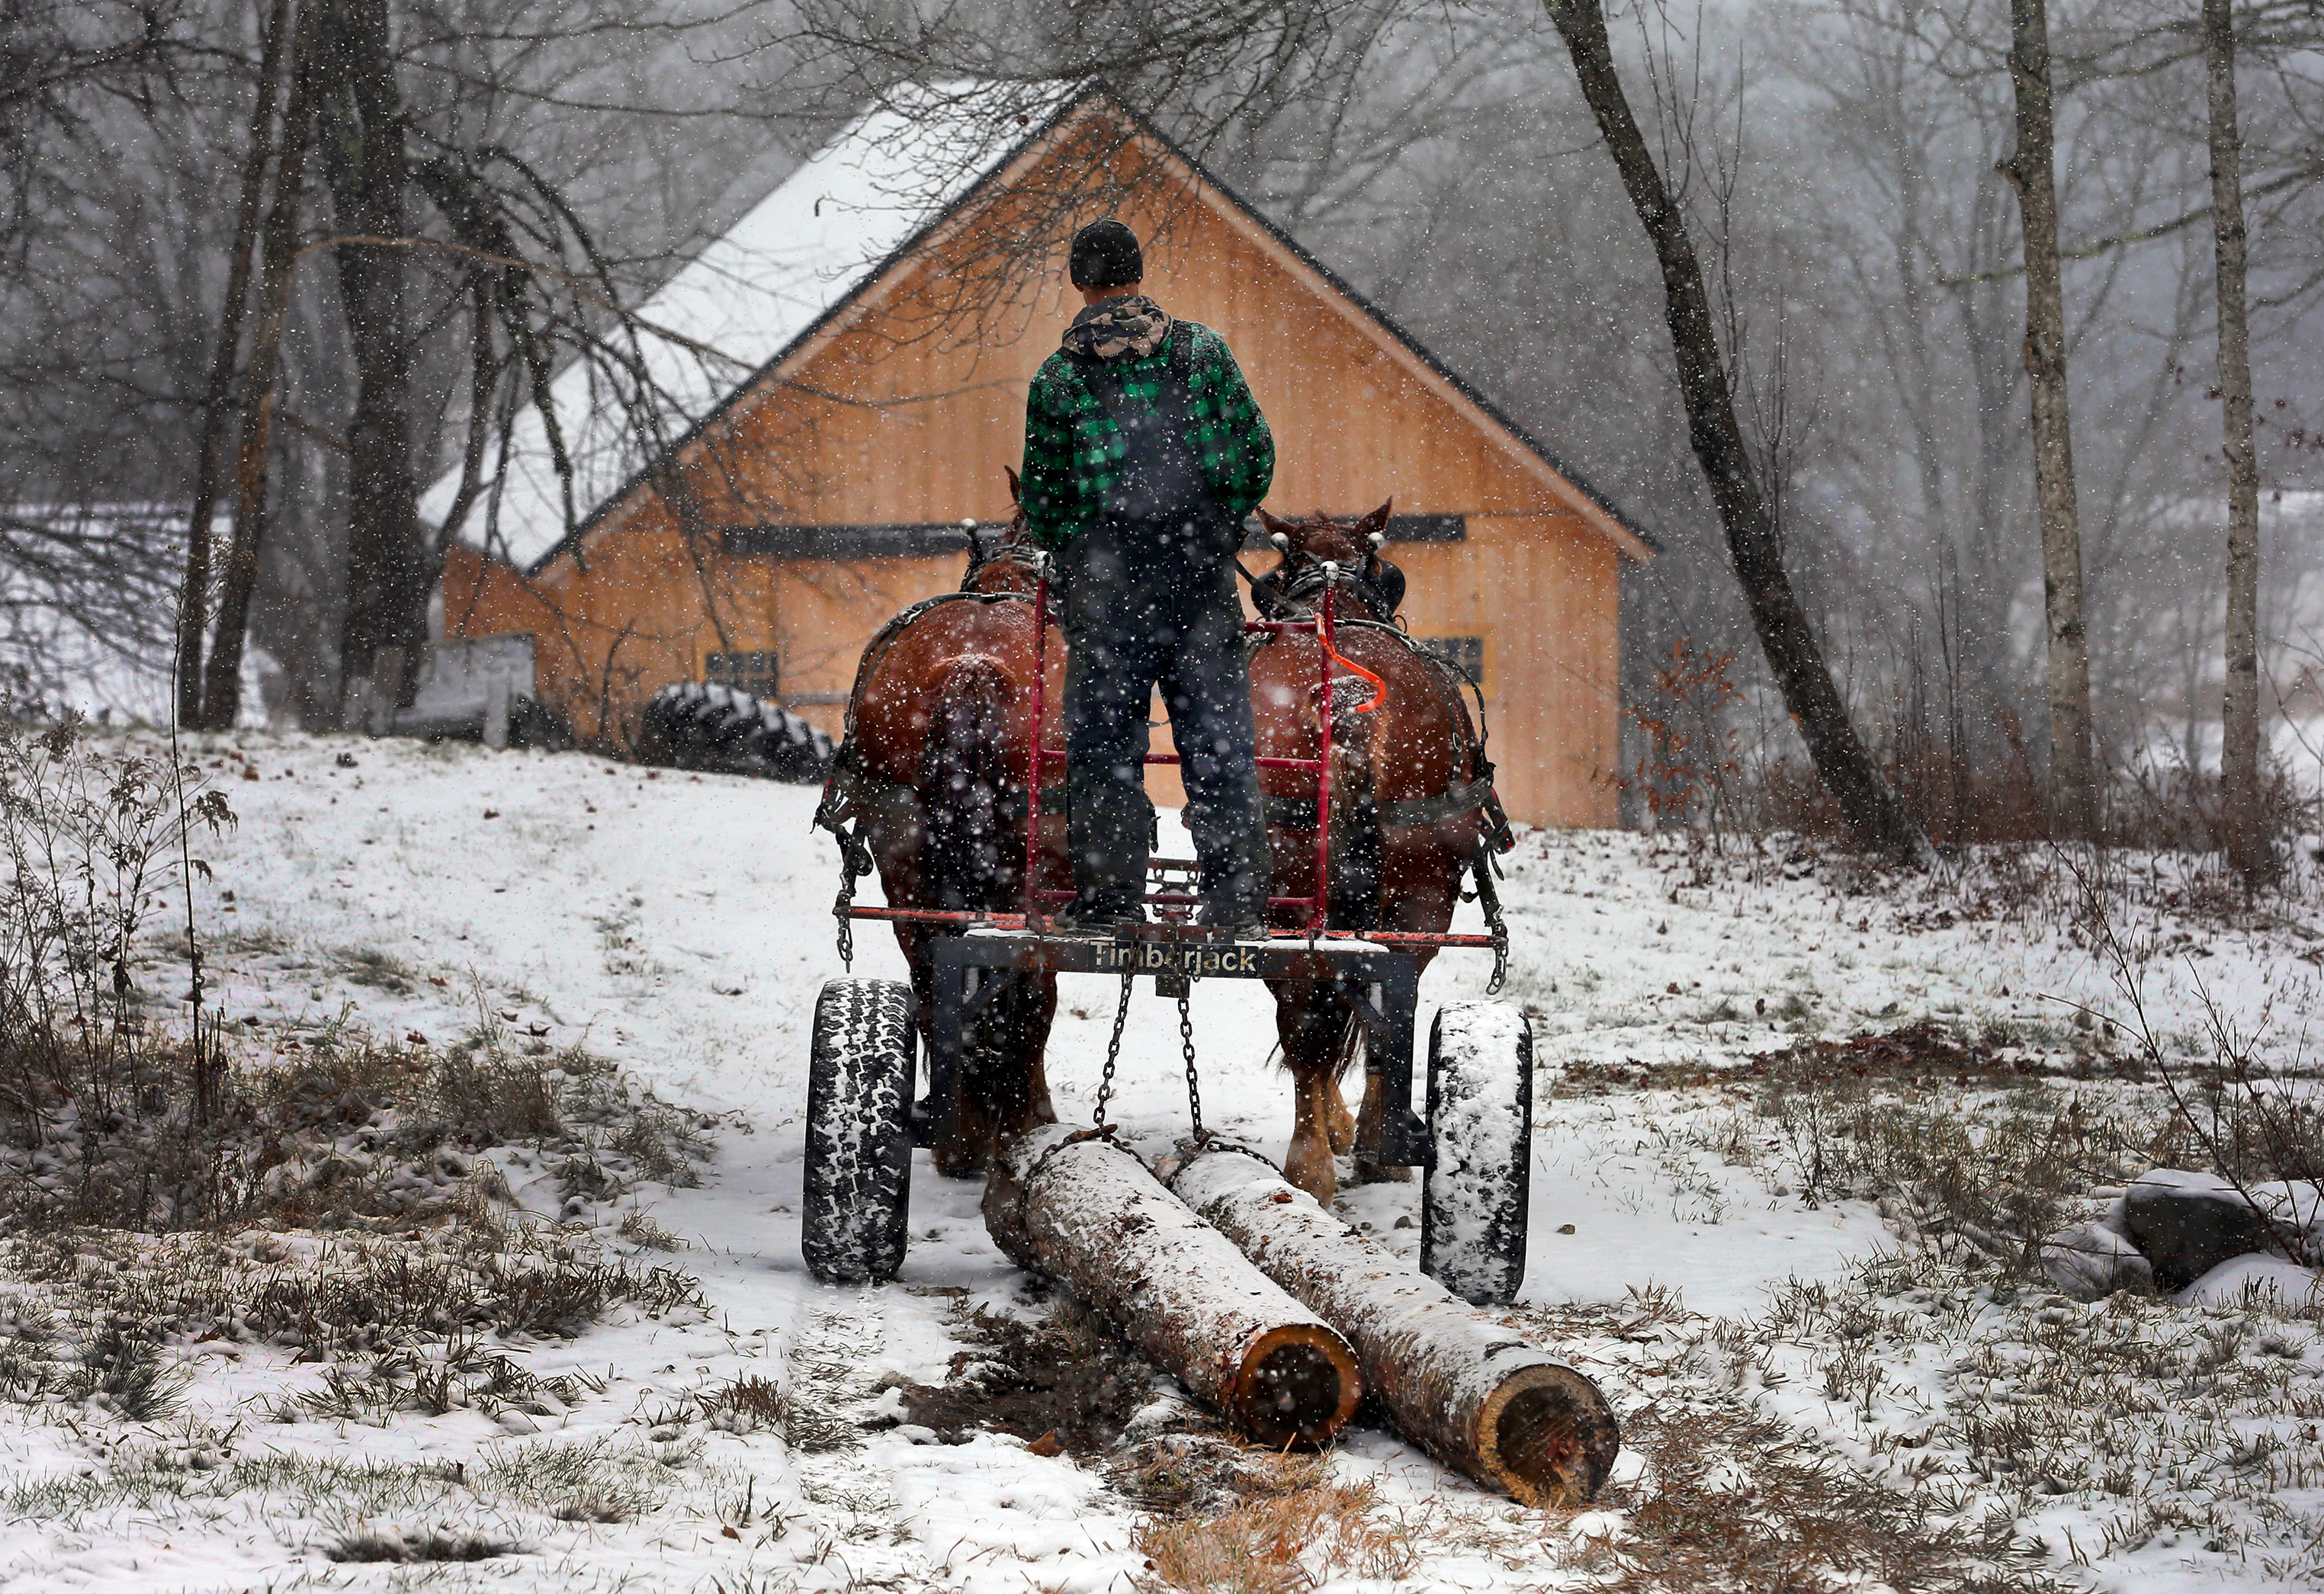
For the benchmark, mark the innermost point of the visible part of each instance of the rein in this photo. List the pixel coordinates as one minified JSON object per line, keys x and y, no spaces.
{"x":1008,"y":554}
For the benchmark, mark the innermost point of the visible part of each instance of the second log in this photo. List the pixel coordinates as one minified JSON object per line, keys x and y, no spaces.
{"x":1471,"y":1391}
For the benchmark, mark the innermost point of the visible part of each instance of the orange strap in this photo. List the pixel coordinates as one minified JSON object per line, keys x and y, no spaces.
{"x":1379,"y":686}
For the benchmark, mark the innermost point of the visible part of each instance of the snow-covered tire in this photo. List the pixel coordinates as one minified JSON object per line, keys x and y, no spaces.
{"x":858,"y":1185}
{"x":722,"y":730}
{"x":1474,"y":1196}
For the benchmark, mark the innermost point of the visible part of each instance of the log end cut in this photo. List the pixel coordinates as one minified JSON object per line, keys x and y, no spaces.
{"x":1547,"y":1436}
{"x":1298,"y":1384}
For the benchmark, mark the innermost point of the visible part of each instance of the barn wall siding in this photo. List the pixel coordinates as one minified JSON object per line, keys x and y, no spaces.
{"x":902,"y":417}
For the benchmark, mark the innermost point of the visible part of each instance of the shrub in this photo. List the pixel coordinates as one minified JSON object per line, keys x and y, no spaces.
{"x":94,"y":846}
{"x":1973,"y":1174}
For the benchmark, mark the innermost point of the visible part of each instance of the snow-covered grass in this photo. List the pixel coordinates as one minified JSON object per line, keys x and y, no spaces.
{"x":1809,"y":1400}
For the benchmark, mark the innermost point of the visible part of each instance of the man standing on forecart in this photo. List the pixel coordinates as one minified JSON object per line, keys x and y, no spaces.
{"x":1143,"y":453}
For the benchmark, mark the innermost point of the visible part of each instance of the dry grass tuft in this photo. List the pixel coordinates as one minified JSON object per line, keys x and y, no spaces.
{"x":1973,"y":1174}
{"x":1738,"y":1502}
{"x":1733,"y":1499}
{"x":1281,"y":1544}
{"x":748,"y":1404}
{"x":395,"y":1547}
{"x":2140,"y":1423}
{"x":344,"y":1132}
{"x":640,"y":1231}
{"x":1185,"y":1474}
{"x":419,"y":1309}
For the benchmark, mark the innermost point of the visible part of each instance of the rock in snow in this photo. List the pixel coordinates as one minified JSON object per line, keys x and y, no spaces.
{"x":2187,"y":1224}
{"x":2091,"y":1262}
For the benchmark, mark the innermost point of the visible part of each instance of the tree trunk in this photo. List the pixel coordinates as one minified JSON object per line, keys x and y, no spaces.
{"x":2031,"y":170}
{"x":217,"y":393}
{"x":360,"y":125}
{"x":1088,"y":1214}
{"x":2250,"y":848}
{"x":1874,"y":817}
{"x":1465,"y":1389}
{"x":222,"y":690}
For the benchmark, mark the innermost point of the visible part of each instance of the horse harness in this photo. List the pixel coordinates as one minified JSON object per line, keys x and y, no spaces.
{"x":1475,"y":795}
{"x":849,"y":782}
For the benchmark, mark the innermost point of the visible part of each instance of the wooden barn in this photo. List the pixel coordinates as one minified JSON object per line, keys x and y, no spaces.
{"x":875,"y":329}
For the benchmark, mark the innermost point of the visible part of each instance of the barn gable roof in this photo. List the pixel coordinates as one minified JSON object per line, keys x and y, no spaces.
{"x":834,"y":230}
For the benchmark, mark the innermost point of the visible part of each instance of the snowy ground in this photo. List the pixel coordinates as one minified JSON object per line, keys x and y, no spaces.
{"x":679,"y":927}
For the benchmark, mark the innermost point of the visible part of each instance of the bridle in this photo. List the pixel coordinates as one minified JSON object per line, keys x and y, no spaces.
{"x":1295,"y":586}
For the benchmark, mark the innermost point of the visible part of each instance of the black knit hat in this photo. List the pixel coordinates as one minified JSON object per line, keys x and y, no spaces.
{"x":1105,"y":254}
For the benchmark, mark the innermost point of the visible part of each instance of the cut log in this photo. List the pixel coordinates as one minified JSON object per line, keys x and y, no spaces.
{"x":1088,"y":1214}
{"x":1468,"y":1391}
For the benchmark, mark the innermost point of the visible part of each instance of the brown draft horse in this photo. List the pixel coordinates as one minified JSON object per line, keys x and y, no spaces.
{"x":931,"y":773}
{"x":1403,"y":834}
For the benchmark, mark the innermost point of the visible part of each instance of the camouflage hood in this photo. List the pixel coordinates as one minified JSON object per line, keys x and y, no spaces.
{"x":1133,"y":325}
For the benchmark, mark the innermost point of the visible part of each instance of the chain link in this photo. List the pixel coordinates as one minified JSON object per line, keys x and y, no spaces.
{"x":1194,"y":1080}
{"x":855,"y":862}
{"x":1112,"y":1054}
{"x":1494,"y":922}
{"x":1186,"y":1045}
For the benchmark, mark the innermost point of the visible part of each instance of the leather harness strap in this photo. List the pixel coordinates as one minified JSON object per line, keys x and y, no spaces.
{"x":1298,"y":813}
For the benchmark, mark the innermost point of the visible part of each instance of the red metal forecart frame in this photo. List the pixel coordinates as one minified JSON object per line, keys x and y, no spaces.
{"x":1383,"y":963}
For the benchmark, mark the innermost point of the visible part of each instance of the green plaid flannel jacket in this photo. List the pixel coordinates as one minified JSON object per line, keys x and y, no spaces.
{"x":1073,"y":449}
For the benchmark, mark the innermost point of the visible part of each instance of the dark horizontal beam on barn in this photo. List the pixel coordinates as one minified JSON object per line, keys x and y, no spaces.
{"x":890,"y":539}
{"x":921,"y":539}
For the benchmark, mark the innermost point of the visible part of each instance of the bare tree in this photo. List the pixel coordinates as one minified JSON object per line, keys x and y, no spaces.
{"x":1874,"y":816}
{"x":54,"y":55}
{"x":1916,"y":213}
{"x":217,"y":393}
{"x":361,"y":135}
{"x":2032,"y":169}
{"x":2248,"y":847}
{"x":279,"y":250}
{"x":84,"y":594}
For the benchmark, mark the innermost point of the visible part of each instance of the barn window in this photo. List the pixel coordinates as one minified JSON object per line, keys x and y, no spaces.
{"x":752,"y":672}
{"x":1466,"y":654}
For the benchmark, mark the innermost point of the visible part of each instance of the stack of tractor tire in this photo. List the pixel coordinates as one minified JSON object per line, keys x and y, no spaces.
{"x":722,"y":729}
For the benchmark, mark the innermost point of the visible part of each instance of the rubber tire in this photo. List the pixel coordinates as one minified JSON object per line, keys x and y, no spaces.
{"x":1477,"y":1191}
{"x":722,"y":730}
{"x":856,"y":1195}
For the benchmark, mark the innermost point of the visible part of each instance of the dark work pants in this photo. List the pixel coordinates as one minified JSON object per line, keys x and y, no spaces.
{"x":1147,"y":605}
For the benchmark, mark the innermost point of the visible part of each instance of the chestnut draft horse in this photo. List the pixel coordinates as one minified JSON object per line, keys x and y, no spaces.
{"x":930,"y":775}
{"x":1412,"y":808}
